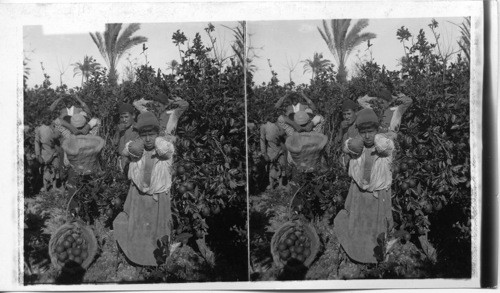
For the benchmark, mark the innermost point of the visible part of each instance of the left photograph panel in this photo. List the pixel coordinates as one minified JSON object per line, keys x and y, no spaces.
{"x":134,"y":154}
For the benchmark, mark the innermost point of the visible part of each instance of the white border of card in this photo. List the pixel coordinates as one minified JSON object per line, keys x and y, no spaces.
{"x":14,"y":16}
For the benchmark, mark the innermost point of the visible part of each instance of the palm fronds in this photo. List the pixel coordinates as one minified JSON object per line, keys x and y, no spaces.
{"x":341,"y":41}
{"x":113,"y":45}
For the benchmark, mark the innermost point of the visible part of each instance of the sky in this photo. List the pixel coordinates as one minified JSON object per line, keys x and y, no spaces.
{"x":59,"y":51}
{"x":287,"y":43}
{"x":284,"y":43}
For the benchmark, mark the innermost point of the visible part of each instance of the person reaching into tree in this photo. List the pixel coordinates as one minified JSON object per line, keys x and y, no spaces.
{"x":69,"y":110}
{"x":147,"y":215}
{"x":391,"y":113}
{"x":170,"y":114}
{"x":46,"y":150}
{"x":80,"y":151}
{"x":347,"y":127}
{"x":272,"y":149}
{"x":368,"y":209}
{"x":286,"y":121}
{"x":125,"y":132}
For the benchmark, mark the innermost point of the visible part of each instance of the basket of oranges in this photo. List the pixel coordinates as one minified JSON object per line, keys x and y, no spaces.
{"x":73,"y":244}
{"x":295,"y":240}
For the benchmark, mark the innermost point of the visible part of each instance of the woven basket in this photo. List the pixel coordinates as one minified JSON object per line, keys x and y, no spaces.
{"x":305,"y":149}
{"x":58,"y":237}
{"x":282,"y":233}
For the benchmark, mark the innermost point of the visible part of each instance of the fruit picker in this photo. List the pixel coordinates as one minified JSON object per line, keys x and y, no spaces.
{"x":81,"y":153}
{"x":368,"y":208}
{"x":69,"y":110}
{"x":287,"y":122}
{"x":146,"y":217}
{"x":392,"y":114}
{"x":172,"y":110}
{"x":272,"y":150}
{"x":125,"y":132}
{"x":347,"y":127}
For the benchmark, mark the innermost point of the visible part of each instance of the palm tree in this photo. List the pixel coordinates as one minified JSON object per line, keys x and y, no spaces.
{"x":341,"y":42}
{"x":172,"y":65}
{"x":113,"y":45}
{"x":26,"y":70}
{"x":85,"y":68}
{"x":316,"y":65}
{"x":464,"y":41}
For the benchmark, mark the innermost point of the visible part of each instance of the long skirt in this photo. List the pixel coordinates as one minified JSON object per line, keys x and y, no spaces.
{"x":141,"y":224}
{"x":362,"y":220}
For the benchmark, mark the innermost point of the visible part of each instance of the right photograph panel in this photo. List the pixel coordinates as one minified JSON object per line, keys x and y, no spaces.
{"x":359,"y":149}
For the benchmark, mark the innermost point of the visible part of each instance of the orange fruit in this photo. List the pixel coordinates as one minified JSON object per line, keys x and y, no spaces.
{"x":412,"y":182}
{"x":70,"y":239}
{"x":299,"y":249}
{"x":66,"y":244}
{"x":76,"y":251}
{"x":62,"y":256}
{"x":59,"y":248}
{"x":117,"y":202}
{"x":404,"y":186}
{"x":438,"y":205}
{"x":289,"y":242}
{"x":182,"y":189}
{"x":281,"y":246}
{"x":190,"y":186}
{"x":78,"y":260}
{"x":285,"y":254}
{"x":428,"y":207}
{"x":215,"y":209}
{"x":79,"y":240}
{"x":294,"y":255}
{"x":181,"y":170}
{"x":300,"y":258}
{"x":205,"y":211}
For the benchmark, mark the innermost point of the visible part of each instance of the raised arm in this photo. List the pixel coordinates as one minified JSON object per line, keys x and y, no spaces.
{"x":53,"y":106}
{"x":140,"y":105}
{"x":84,"y":105}
{"x":280,"y":101}
{"x":365,"y":101}
{"x":170,"y":118}
{"x":309,"y":101}
{"x":407,"y":101}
